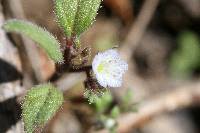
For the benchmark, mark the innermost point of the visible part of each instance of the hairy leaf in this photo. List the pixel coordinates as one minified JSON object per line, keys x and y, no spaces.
{"x":86,"y":13}
{"x":40,"y":104}
{"x":39,"y":35}
{"x":66,"y":12}
{"x":75,"y":16}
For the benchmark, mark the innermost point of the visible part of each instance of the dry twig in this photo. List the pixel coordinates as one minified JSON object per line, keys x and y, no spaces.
{"x":69,"y":80}
{"x":138,"y":28}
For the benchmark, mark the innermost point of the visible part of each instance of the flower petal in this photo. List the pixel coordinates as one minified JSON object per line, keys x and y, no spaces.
{"x":109,"y":68}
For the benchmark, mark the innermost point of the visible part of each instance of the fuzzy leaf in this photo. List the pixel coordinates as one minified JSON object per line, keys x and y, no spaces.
{"x":40,"y":104}
{"x":37,"y":34}
{"x":86,"y":13}
{"x":66,"y":11}
{"x":75,"y":16}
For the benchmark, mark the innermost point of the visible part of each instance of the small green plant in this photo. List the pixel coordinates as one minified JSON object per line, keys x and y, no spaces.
{"x":107,"y":69}
{"x":186,"y":58}
{"x":108,"y":112}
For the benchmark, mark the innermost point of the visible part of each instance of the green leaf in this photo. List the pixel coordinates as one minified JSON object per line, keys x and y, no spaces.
{"x":86,"y":13}
{"x":126,"y":99}
{"x":186,"y":58}
{"x":102,"y":103}
{"x":95,"y":95}
{"x":115,"y":112}
{"x":66,"y":12}
{"x":127,"y":103}
{"x":39,"y":35}
{"x":40,"y":104}
{"x":76,"y":16}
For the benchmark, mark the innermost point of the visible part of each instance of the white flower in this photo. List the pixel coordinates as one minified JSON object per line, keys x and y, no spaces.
{"x":109,"y":68}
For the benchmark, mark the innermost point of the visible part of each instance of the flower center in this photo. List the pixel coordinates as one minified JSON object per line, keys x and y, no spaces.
{"x":100,"y":67}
